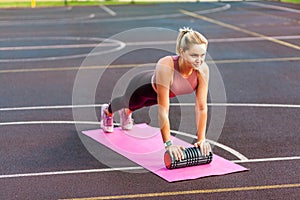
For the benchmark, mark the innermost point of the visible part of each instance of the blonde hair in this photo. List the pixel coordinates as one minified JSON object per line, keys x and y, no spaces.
{"x":188,"y":36}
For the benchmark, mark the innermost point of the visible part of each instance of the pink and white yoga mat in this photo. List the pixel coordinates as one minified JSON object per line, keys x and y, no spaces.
{"x":143,"y":145}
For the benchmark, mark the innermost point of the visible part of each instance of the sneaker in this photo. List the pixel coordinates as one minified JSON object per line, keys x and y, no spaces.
{"x":106,"y":120}
{"x":126,"y":120}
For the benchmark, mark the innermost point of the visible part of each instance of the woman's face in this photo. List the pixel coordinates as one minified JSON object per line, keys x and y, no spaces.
{"x":195,"y":55}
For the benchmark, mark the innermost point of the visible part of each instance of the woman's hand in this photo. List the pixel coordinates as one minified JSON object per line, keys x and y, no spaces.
{"x":176,"y":151}
{"x":204,"y":147}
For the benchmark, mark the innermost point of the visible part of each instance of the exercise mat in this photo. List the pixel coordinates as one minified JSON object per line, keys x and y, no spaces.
{"x":143,"y":145}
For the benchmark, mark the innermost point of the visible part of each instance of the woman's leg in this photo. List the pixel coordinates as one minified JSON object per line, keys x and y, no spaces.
{"x":138,"y":94}
{"x":143,"y":97}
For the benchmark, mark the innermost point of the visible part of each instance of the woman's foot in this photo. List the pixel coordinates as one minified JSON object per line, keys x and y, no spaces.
{"x":106,"y":122}
{"x":126,"y":120}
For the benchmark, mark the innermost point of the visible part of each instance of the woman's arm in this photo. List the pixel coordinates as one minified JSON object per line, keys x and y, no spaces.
{"x":201,"y":107}
{"x":164,"y":78}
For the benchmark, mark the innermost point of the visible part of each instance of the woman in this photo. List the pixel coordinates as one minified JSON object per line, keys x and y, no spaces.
{"x":174,"y":75}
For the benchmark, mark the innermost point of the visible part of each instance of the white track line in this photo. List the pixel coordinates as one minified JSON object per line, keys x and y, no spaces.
{"x":108,"y":10}
{"x":96,"y":39}
{"x":51,"y":107}
{"x":250,"y":39}
{"x":70,"y":172}
{"x":257,"y":105}
{"x":31,"y":70}
{"x":47,"y":122}
{"x":267,"y":159}
{"x":274,"y":7}
{"x":69,"y":46}
{"x":265,"y":105}
{"x":222,"y":146}
{"x":130,"y":168}
{"x":172,"y":104}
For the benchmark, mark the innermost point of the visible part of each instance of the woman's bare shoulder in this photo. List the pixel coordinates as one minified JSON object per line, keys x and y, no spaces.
{"x":165,"y":67}
{"x":167,"y":60}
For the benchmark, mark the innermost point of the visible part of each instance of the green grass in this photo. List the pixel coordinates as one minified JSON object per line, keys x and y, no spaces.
{"x":291,"y":1}
{"x":12,"y":4}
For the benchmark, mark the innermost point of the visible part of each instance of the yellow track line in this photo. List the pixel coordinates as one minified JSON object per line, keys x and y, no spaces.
{"x":142,"y":65}
{"x":68,"y":68}
{"x":193,"y":192}
{"x":191,"y":14}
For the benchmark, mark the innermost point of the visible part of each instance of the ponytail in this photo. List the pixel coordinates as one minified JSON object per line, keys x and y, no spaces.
{"x":188,"y":36}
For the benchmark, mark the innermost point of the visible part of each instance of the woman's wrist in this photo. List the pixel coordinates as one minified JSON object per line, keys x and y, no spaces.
{"x":201,"y":137}
{"x":168,"y":143}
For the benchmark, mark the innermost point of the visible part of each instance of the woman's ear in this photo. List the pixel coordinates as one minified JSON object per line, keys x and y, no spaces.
{"x":181,"y":51}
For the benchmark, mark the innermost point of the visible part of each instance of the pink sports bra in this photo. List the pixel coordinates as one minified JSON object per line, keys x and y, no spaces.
{"x":180,"y":85}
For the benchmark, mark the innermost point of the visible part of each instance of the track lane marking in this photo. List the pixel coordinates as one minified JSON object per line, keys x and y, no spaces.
{"x":273,"y":7}
{"x":93,"y":45}
{"x":5,"y":176}
{"x":236,"y":28}
{"x":48,"y":122}
{"x":193,"y":192}
{"x":51,"y":107}
{"x":265,"y":105}
{"x":71,"y":172}
{"x":46,"y":47}
{"x":108,"y":10}
{"x":267,"y":159}
{"x":49,"y":69}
